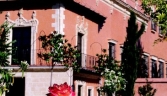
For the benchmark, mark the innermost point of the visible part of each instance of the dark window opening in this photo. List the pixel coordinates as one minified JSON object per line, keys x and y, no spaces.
{"x":166,"y":70}
{"x":79,"y":48}
{"x":143,"y":68}
{"x":89,"y":92}
{"x":79,"y":90}
{"x":112,"y":50}
{"x":160,"y":30}
{"x":153,"y":25}
{"x":161,"y":70}
{"x":18,"y":88}
{"x":98,"y":92}
{"x":154,"y":69}
{"x":22,"y":35}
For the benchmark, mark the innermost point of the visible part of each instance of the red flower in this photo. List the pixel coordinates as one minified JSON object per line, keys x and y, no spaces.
{"x":60,"y":90}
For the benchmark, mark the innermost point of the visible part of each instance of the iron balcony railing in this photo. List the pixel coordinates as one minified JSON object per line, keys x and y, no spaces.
{"x":85,"y":61}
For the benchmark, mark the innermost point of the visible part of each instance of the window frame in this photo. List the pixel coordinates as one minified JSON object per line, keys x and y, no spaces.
{"x":160,"y":61}
{"x":22,"y":22}
{"x":113,"y":43}
{"x":19,"y":46}
{"x":83,"y":84}
{"x":92,"y":90}
{"x":153,"y":58}
{"x":82,"y":28}
{"x":153,"y":26}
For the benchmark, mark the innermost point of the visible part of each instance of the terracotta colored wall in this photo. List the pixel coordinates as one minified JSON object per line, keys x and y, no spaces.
{"x":114,"y":28}
{"x":44,"y":25}
{"x":156,"y":83}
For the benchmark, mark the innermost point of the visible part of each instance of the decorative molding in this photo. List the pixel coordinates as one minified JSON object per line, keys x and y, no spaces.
{"x":146,"y":27}
{"x":22,"y":22}
{"x":111,"y":10}
{"x":83,"y":83}
{"x":146,"y":54}
{"x":97,"y":2}
{"x":124,"y":17}
{"x":154,"y":58}
{"x":136,"y":4}
{"x":59,"y":18}
{"x":121,"y":6}
{"x":92,"y":88}
{"x":112,"y":41}
{"x":82,"y":27}
{"x":161,"y":60}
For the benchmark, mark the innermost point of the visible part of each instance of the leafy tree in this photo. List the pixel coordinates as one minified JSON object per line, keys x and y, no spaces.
{"x":59,"y":51}
{"x":6,"y":75}
{"x":156,"y":9}
{"x":111,"y":71}
{"x":142,"y":71}
{"x":131,"y":54}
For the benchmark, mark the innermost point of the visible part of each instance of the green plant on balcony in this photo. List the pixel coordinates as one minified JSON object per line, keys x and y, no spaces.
{"x":59,"y":51}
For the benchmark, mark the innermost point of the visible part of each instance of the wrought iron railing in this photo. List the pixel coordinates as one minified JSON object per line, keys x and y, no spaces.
{"x":86,"y":61}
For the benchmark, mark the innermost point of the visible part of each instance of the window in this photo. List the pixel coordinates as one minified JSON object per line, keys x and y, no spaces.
{"x":79,"y":90}
{"x":166,"y":70}
{"x":153,"y":25}
{"x":121,"y":51}
{"x":161,"y":69}
{"x":18,"y":88}
{"x":154,"y":73}
{"x":98,"y":92}
{"x":111,"y":50}
{"x":90,"y":90}
{"x":160,"y":30}
{"x":79,"y":47}
{"x":143,"y":73}
{"x":22,"y":35}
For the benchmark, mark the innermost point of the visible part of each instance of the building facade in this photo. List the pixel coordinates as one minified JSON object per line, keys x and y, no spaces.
{"x":92,"y":25}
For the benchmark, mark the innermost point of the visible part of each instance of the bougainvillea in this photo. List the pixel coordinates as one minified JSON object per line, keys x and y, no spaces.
{"x":60,"y":90}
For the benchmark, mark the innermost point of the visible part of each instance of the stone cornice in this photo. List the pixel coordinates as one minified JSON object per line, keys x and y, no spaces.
{"x":125,"y":6}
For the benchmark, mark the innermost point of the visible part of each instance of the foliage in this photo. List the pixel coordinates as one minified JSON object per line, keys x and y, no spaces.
{"x":104,"y":61}
{"x":58,"y":50}
{"x":6,"y":75}
{"x":24,"y":65}
{"x":110,"y":70}
{"x":142,"y":71}
{"x":60,"y":90}
{"x":146,"y":90}
{"x":131,"y":54}
{"x":113,"y":81}
{"x":156,"y":9}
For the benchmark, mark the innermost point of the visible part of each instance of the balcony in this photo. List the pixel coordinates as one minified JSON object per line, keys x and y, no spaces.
{"x":86,"y":61}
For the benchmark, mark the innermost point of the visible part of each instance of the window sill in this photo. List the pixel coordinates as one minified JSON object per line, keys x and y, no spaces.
{"x":153,"y":80}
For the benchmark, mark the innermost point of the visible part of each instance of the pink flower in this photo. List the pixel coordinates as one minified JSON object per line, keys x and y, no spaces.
{"x":60,"y":90}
